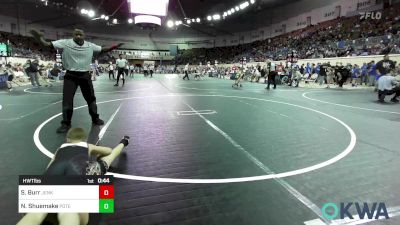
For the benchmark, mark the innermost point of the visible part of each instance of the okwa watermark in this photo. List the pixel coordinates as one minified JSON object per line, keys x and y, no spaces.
{"x":364,"y":210}
{"x":370,"y":15}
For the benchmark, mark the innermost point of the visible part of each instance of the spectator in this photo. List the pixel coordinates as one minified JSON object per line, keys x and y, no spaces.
{"x":388,"y":85}
{"x":32,"y":69}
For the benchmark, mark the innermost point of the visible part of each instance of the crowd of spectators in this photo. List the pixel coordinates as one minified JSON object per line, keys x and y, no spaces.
{"x":32,"y":71}
{"x":365,"y":74}
{"x":26,"y":47}
{"x":345,"y":36}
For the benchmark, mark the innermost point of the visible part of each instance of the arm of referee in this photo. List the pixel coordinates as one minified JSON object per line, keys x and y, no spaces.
{"x":39,"y":38}
{"x":104,"y":50}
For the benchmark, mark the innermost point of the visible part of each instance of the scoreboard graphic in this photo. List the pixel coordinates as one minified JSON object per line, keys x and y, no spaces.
{"x":60,"y":194}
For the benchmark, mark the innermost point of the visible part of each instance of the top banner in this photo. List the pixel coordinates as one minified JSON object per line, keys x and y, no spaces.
{"x":362,"y":4}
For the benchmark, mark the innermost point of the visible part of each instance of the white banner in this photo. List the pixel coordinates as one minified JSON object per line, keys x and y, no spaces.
{"x":362,"y":4}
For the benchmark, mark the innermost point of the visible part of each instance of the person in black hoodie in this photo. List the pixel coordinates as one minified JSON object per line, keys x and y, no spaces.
{"x":33,"y":72}
{"x":302,"y":69}
{"x":344,"y":74}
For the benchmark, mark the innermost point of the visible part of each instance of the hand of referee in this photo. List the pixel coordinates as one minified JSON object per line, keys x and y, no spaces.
{"x":36,"y":34}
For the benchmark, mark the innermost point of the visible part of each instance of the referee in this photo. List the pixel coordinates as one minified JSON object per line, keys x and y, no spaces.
{"x":186,"y":72}
{"x":121,"y":65}
{"x":271,"y":74}
{"x":76,"y":58}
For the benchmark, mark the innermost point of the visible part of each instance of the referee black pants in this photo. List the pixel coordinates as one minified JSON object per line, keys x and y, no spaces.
{"x":186,"y":75}
{"x":272,"y":78}
{"x":121,"y":71}
{"x":73,"y":80}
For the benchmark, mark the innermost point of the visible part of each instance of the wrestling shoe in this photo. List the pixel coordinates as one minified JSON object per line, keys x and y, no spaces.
{"x":98,"y":122}
{"x":63,"y":128}
{"x":125,"y":141}
{"x":394,"y":100}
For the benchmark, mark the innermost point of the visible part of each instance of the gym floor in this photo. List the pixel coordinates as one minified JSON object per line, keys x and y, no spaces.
{"x":214,"y":154}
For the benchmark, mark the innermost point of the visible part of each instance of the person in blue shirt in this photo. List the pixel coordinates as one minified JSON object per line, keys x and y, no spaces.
{"x":309,"y":69}
{"x":317,"y":68}
{"x":372,"y":73}
{"x":355,"y":75}
{"x":364,"y":73}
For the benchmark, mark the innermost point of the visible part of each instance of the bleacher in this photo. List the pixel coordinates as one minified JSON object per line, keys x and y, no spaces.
{"x":346,"y":36}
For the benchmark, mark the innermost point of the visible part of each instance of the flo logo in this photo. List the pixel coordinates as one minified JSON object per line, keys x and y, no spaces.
{"x":375,"y":210}
{"x":370,"y":15}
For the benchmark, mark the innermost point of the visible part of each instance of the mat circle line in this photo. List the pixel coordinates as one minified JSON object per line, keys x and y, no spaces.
{"x":230,"y":89}
{"x":96,"y":92}
{"x":347,"y":106}
{"x":343,"y":154}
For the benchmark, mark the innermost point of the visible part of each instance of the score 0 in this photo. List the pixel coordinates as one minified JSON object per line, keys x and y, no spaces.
{"x":106,"y":197}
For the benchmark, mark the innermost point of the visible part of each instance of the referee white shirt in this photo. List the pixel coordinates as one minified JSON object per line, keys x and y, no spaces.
{"x":272,"y":67}
{"x":121,"y":63}
{"x":75,"y":57}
